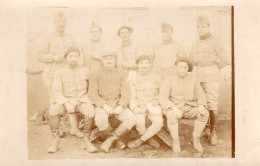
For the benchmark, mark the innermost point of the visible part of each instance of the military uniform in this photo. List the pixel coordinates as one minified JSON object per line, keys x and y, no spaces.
{"x":92,"y":55}
{"x":185,"y":94}
{"x":208,"y":57}
{"x":70,"y":85}
{"x":127,"y":56}
{"x":53,"y":45}
{"x":93,"y":51}
{"x":145,"y":90}
{"x":110,"y":87}
{"x":164,"y":55}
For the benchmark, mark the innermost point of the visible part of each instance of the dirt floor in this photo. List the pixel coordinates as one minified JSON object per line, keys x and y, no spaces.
{"x":39,"y":136}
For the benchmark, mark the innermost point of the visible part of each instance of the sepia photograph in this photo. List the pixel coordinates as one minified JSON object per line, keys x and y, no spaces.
{"x":130,"y":82}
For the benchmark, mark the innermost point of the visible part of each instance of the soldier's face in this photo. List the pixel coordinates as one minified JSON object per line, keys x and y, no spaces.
{"x":60,"y":24}
{"x":144,"y":66}
{"x":72,"y":59}
{"x":166,"y":34}
{"x":203,"y":29}
{"x":182,"y":69}
{"x":95,"y":34}
{"x":125,"y":34}
{"x":109,"y":62}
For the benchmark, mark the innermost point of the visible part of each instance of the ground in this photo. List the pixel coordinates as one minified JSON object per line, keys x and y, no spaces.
{"x":39,"y":136}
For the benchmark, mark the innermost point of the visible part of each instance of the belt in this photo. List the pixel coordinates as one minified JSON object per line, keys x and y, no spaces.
{"x":206,"y":63}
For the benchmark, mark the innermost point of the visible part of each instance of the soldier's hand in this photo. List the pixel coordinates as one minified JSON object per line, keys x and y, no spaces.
{"x":119,"y":109}
{"x":202,"y":110}
{"x":108,"y":109}
{"x":58,"y":58}
{"x":70,"y":109}
{"x":155,"y":103}
{"x":178,"y":112}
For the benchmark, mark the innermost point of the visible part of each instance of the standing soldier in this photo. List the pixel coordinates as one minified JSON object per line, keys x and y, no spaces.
{"x":208,"y":56}
{"x":93,"y":51}
{"x":51,"y":53}
{"x":165,"y":53}
{"x":127,"y":52}
{"x":70,"y":95}
{"x":110,"y":93}
{"x":144,"y":101}
{"x":181,"y":95}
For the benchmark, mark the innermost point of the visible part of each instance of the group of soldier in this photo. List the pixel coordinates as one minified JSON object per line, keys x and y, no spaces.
{"x":131,"y":85}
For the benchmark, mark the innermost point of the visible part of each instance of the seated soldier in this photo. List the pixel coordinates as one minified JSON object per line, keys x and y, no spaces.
{"x":144,"y":101}
{"x":181,"y":96}
{"x":110,"y":93}
{"x":69,"y":89}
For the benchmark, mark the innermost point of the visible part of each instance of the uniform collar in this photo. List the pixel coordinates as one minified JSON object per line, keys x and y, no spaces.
{"x":167,"y":42}
{"x":204,"y":37}
{"x":105,"y":70}
{"x":127,"y":43}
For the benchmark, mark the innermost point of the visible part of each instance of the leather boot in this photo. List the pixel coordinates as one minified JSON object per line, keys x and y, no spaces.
{"x":115,"y":135}
{"x":213,"y":134}
{"x":86,"y":144}
{"x":54,"y":122}
{"x":74,"y":130}
{"x":135,"y":143}
{"x":120,"y":145}
{"x":154,"y":143}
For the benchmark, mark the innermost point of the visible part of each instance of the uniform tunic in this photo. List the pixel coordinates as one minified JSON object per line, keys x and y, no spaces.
{"x":127,"y":56}
{"x":144,"y":90}
{"x":70,"y":85}
{"x":184,"y":93}
{"x":208,"y":56}
{"x":50,"y":46}
{"x":92,"y":55}
{"x":110,"y":87}
{"x":164,"y":56}
{"x":177,"y":91}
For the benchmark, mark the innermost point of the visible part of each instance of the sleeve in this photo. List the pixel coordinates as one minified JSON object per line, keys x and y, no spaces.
{"x":125,"y":90}
{"x":200,"y":94}
{"x":133,"y":102}
{"x":44,"y":54}
{"x":57,"y":89}
{"x":93,"y":90}
{"x":165,"y":93}
{"x":221,"y":55}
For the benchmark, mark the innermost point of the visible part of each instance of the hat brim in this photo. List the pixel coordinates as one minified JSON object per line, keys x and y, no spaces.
{"x":188,"y":62}
{"x":125,"y":27}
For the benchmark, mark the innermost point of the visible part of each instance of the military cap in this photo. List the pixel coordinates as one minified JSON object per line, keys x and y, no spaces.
{"x":71,"y":49}
{"x":143,"y":56}
{"x":59,"y":15}
{"x":202,"y":20}
{"x":109,"y":53}
{"x":184,"y":59}
{"x":125,"y":27}
{"x":95,"y":25}
{"x":165,"y":26}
